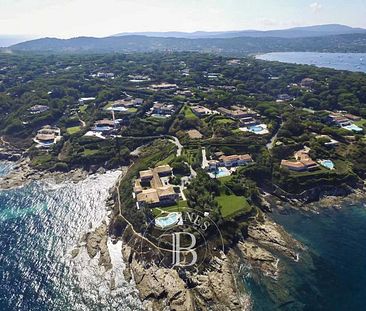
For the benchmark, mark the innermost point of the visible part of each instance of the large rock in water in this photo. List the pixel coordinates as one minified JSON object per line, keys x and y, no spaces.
{"x":163,"y":287}
{"x":96,"y":242}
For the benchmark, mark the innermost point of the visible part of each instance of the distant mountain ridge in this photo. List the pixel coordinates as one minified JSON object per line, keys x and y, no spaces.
{"x":297,"y":32}
{"x":240,"y":46}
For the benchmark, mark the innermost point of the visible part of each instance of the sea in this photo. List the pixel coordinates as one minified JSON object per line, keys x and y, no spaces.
{"x":40,"y":224}
{"x":341,"y":61}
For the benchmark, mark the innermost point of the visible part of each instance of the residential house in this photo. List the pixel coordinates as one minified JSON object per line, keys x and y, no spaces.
{"x":47,"y":136}
{"x":150,"y":190}
{"x":37,"y":109}
{"x":303,"y":162}
{"x":284,"y":98}
{"x":235,"y":160}
{"x":201,"y":111}
{"x":104,"y":126}
{"x":163,"y":109}
{"x":164,"y":87}
{"x":307,"y":83}
{"x":86,"y":100}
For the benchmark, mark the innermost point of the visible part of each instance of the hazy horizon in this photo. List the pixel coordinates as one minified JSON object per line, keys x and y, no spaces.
{"x":74,"y":18}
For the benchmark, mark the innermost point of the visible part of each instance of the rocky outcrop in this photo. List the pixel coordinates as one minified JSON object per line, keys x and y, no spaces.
{"x":271,"y":235}
{"x":218,"y":290}
{"x":96,"y":242}
{"x":22,"y":174}
{"x":164,"y":289}
{"x":259,"y":258}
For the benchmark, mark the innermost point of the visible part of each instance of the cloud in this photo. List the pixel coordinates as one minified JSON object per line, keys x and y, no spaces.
{"x":316,"y":7}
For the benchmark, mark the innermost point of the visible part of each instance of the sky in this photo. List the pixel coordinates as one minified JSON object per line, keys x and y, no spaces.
{"x":72,"y":18}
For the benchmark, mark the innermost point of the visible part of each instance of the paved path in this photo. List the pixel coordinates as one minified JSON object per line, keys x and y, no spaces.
{"x":204,"y":158}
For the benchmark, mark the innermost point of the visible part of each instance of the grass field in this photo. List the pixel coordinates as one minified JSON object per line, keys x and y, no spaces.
{"x":73,"y":130}
{"x":223,"y":121}
{"x":232,"y":205}
{"x":167,"y":160}
{"x":83,"y":108}
{"x":179,"y":207}
{"x":90,"y":152}
{"x":187,"y":111}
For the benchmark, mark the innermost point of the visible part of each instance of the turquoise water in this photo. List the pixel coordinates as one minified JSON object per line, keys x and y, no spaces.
{"x":353,"y":127}
{"x":333,"y":277}
{"x":341,"y":61}
{"x":328,"y":164}
{"x":222,"y":172}
{"x":167,"y":221}
{"x":256,"y":129}
{"x":40,"y":224}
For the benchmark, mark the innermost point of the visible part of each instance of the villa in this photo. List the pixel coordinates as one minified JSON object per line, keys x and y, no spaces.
{"x":152,"y":188}
{"x":104,"y":126}
{"x":163,"y":109}
{"x":47,"y":136}
{"x":284,"y":98}
{"x":201,"y":111}
{"x":235,"y":160}
{"x":303,"y":162}
{"x":237,"y":112}
{"x":123,"y":105}
{"x":344,"y":121}
{"x":307,"y":83}
{"x":36,"y":109}
{"x":86,"y":100}
{"x":164,"y":87}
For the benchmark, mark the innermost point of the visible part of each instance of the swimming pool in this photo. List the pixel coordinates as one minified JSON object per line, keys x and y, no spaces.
{"x":167,"y":221}
{"x":327,"y":163}
{"x":256,"y":128}
{"x":220,"y":172}
{"x":353,"y":127}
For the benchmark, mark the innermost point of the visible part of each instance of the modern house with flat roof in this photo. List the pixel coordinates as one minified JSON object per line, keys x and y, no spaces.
{"x":104,"y":126}
{"x":163,"y":109}
{"x":86,"y":100}
{"x":36,"y":109}
{"x":164,"y":87}
{"x":201,"y":111}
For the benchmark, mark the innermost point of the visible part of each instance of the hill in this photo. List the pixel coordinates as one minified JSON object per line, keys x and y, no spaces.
{"x":230,"y":46}
{"x":298,"y":32}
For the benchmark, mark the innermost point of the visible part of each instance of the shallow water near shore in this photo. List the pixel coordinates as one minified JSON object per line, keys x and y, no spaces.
{"x":40,"y":224}
{"x":335,"y":277}
{"x":340,"y":61}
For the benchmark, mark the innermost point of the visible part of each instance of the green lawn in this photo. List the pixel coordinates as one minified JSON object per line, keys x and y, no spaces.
{"x":161,"y":211}
{"x":41,"y":159}
{"x":232,"y":205}
{"x":90,"y":152}
{"x":188,"y":114}
{"x":224,"y":121}
{"x":73,"y":130}
{"x":132,"y":110}
{"x":83,"y":108}
{"x":167,"y":160}
{"x":361,"y":123}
